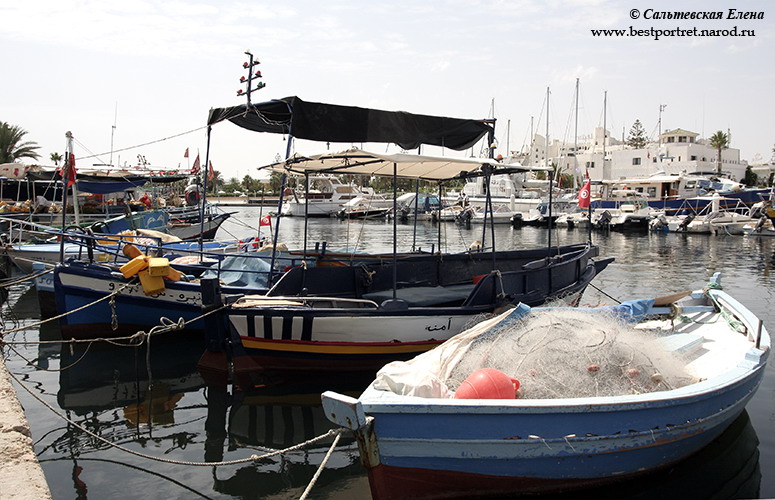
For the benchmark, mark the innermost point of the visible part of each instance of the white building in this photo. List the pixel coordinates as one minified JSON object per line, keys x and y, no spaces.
{"x":677,"y":151}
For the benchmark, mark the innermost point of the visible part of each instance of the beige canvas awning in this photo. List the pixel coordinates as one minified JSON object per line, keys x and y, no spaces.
{"x":429,"y":168}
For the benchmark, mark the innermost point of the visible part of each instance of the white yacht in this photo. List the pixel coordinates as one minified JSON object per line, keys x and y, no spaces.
{"x":326,"y":196}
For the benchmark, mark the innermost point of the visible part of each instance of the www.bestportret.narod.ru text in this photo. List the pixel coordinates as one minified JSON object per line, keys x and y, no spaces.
{"x":675,"y":32}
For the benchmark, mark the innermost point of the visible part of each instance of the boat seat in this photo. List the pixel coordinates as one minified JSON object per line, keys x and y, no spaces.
{"x":681,"y":343}
{"x":424,"y":296}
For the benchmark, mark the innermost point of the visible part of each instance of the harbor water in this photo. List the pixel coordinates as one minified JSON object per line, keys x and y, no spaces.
{"x":151,"y":400}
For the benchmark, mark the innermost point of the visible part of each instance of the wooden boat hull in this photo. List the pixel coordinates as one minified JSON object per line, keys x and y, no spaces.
{"x":292,"y":333}
{"x":646,"y":441}
{"x":83,"y":289}
{"x":417,"y":447}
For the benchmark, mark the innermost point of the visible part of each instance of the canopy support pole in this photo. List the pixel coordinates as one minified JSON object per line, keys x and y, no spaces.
{"x":306,"y":220}
{"x":440,"y":207}
{"x":416,"y":206}
{"x":279,"y":211}
{"x":395,"y":230}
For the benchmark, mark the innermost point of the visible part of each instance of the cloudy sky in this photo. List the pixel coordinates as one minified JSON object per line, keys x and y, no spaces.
{"x":154,"y":69}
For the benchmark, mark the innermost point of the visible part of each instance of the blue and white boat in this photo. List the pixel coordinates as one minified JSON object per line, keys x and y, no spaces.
{"x":417,"y":441}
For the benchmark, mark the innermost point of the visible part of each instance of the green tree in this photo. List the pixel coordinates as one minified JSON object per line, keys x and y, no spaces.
{"x":213,"y":183}
{"x":720,"y":141}
{"x":11,"y":146}
{"x":275,"y":182}
{"x":56,"y":158}
{"x":637,"y":137}
{"x":250,"y":185}
{"x":233,"y":184}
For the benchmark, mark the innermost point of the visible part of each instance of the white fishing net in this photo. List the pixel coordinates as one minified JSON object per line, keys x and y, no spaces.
{"x":571,"y":353}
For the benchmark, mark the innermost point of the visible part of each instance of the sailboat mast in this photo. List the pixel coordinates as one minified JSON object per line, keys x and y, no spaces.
{"x":576,"y":139}
{"x":112,"y":133}
{"x":605,"y":101}
{"x":508,"y":134}
{"x":551,"y":174}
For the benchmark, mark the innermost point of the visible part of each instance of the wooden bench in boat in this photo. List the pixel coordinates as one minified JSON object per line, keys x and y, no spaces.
{"x":682,"y":343}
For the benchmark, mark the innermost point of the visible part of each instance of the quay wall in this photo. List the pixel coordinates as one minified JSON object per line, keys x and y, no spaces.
{"x":21,"y":477}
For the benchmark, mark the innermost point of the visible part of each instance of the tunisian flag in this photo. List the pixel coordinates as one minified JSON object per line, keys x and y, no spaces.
{"x":195,"y":168}
{"x":68,"y":171}
{"x":265,"y":221}
{"x":584,"y":195}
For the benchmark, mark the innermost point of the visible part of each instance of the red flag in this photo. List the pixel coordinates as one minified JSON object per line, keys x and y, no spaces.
{"x":265,"y":221}
{"x":584,"y":195}
{"x":185,"y":155}
{"x":195,"y":168}
{"x":68,"y":171}
{"x":210,"y":171}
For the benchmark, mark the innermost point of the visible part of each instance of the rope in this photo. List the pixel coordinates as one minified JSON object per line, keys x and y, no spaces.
{"x":167,"y":325}
{"x":733,"y":323}
{"x":320,"y":469}
{"x":25,"y":278}
{"x":599,"y":290}
{"x":58,"y":316}
{"x":48,"y":369}
{"x":252,"y":458}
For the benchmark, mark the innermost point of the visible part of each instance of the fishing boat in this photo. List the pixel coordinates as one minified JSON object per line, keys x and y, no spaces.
{"x":82,"y":287}
{"x":648,"y":383}
{"x":149,"y":224}
{"x":357,"y":317}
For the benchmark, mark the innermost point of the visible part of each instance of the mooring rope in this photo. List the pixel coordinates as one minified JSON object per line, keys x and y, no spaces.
{"x":37,"y":367}
{"x":253,"y":458}
{"x":321,"y":467}
{"x":23,"y":279}
{"x":167,"y":325}
{"x":601,"y":291}
{"x":58,"y":316}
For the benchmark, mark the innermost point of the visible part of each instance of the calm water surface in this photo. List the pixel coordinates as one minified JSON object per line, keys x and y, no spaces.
{"x":154,"y":402}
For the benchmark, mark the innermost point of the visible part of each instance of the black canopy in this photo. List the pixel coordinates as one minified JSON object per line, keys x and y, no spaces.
{"x":333,"y":123}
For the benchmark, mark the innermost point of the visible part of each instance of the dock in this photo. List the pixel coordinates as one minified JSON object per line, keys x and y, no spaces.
{"x":235,"y":201}
{"x":21,"y":477}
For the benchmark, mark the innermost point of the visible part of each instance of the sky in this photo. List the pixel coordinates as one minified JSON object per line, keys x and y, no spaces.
{"x":138,"y":78}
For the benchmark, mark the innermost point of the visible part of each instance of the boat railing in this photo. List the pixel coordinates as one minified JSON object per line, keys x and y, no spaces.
{"x":191,"y":258}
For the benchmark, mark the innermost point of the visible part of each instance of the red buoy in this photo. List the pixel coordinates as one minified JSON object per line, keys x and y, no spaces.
{"x":487,"y":383}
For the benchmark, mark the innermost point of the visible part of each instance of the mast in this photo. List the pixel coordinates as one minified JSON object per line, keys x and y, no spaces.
{"x":605,"y":100}
{"x":508,"y":133}
{"x":576,"y":139}
{"x":551,"y":174}
{"x":112,"y":133}
{"x":659,"y":126}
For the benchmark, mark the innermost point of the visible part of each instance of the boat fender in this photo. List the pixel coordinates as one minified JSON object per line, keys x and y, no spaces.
{"x":488,"y":383}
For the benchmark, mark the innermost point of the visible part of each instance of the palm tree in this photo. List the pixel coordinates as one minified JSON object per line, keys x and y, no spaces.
{"x":56,"y":158}
{"x":216,"y":179}
{"x":11,"y":147}
{"x":720,"y":141}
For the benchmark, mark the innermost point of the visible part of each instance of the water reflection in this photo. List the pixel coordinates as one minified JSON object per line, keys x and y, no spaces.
{"x":279,"y":415}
